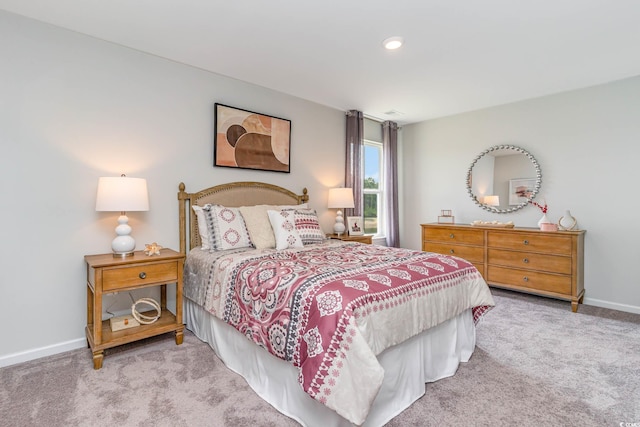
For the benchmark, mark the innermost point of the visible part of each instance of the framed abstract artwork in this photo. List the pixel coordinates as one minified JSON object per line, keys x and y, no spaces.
{"x":521,"y":190}
{"x":249,"y":140}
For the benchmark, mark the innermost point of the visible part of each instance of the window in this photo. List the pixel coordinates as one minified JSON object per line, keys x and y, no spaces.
{"x":372,"y":183}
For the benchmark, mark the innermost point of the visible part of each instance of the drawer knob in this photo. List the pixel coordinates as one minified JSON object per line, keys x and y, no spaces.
{"x":142,"y":275}
{"x":451,"y":251}
{"x":526,"y":242}
{"x":451,"y":235}
{"x":525,"y":260}
{"x":525,"y":278}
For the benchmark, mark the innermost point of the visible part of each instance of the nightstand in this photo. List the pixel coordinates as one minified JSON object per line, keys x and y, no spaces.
{"x":107,"y":274}
{"x":362,"y":239}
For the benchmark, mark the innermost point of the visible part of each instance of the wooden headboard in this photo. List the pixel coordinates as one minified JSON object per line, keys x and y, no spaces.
{"x":234,"y":194}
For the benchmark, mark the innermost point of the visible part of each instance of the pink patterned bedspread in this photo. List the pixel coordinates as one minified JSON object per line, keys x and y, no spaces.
{"x":331,"y":308}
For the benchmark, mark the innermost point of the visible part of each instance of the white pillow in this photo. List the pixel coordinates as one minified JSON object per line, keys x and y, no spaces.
{"x":283,"y":224}
{"x":227,"y":229}
{"x":258,"y":225}
{"x":202,"y":227}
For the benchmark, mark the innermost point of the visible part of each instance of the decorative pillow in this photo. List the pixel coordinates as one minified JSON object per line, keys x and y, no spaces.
{"x":283,"y":224}
{"x":308,"y":226}
{"x":258,"y":225}
{"x":227,"y":229}
{"x":202,"y":227}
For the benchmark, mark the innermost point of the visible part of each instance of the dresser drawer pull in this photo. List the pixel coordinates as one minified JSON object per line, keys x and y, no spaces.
{"x":142,"y":275}
{"x":525,"y":278}
{"x":451,"y":251}
{"x":451,"y":235}
{"x":526,"y":242}
{"x":525,"y":260}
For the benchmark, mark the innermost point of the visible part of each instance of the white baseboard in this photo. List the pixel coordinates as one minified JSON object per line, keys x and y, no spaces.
{"x":37,"y":353}
{"x":612,"y":305}
{"x":25,"y":356}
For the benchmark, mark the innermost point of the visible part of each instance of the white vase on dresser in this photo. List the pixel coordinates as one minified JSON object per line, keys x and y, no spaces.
{"x":543,"y":220}
{"x":567,"y":222}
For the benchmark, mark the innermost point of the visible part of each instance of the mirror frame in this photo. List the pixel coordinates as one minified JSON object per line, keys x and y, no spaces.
{"x":505,"y":147}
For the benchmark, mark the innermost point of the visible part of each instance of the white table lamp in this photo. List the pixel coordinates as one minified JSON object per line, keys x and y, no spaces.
{"x":122,"y":194}
{"x":340,"y":198}
{"x":492,"y":200}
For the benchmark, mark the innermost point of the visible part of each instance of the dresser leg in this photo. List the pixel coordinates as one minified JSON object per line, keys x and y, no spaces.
{"x":179,"y":337}
{"x":574,"y":306}
{"x":97,"y":359}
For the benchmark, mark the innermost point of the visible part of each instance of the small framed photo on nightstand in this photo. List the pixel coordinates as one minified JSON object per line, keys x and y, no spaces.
{"x":355,"y":225}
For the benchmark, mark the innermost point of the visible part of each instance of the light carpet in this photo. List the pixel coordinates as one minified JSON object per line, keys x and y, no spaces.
{"x":536,"y":364}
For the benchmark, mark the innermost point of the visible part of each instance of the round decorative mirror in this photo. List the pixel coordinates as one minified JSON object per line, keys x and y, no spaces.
{"x":503,"y":178}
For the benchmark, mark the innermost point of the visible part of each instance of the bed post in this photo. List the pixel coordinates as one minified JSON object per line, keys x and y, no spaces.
{"x":182,"y":199}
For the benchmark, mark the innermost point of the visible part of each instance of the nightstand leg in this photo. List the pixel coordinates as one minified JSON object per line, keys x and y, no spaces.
{"x":97,"y":359}
{"x":179,"y":337}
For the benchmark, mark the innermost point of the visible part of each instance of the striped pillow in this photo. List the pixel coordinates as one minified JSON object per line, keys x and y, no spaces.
{"x":308,"y":226}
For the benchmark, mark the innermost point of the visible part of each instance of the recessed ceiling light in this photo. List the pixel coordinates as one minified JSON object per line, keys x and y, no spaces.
{"x":393,"y":42}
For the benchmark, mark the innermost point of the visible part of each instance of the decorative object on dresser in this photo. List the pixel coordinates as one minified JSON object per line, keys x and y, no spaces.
{"x":106,"y":274}
{"x":543,"y":208}
{"x":446,"y":217}
{"x":567,"y":222}
{"x":548,"y":226}
{"x":249,"y":140}
{"x":122,"y":194}
{"x":497,"y":171}
{"x":362,"y":239}
{"x":479,"y":223}
{"x":340,"y":198}
{"x":521,"y":259}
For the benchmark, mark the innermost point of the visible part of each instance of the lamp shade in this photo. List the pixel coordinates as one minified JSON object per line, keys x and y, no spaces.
{"x":492,"y":200}
{"x":341,"y":198}
{"x":122,"y":194}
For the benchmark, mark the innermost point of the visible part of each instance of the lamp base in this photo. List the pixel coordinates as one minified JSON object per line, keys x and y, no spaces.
{"x":123,"y":245}
{"x":339,"y":227}
{"x":122,"y":254}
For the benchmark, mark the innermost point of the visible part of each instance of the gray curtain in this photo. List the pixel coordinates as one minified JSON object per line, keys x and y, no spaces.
{"x":390,"y":165}
{"x":353,"y":168}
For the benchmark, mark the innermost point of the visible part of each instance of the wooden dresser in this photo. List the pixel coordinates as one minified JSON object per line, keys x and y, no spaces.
{"x":522,"y":259}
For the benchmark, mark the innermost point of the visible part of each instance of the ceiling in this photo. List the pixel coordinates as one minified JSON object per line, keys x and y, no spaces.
{"x":458,"y":55}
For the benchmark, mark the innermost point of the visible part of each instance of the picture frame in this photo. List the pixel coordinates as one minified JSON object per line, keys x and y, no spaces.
{"x":249,"y":140}
{"x":355,"y":226}
{"x":521,"y":190}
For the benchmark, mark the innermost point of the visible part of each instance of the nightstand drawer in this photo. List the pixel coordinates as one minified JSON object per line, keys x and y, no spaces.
{"x":119,"y":278}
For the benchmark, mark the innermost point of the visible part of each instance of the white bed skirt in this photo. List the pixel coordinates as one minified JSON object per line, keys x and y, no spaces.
{"x":427,"y":357}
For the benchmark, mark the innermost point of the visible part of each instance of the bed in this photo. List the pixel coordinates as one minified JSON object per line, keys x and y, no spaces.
{"x":328,"y":332}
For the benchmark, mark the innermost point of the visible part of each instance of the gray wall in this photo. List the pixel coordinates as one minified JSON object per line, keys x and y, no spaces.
{"x":74,"y":108}
{"x":586,"y":142}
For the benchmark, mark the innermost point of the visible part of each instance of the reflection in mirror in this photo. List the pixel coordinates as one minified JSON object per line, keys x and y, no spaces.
{"x":503,"y":178}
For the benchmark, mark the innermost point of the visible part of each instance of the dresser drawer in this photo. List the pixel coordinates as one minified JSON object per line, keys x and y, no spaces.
{"x":533,"y":261}
{"x":119,"y":278}
{"x":470,"y":253}
{"x":458,"y":235}
{"x":534,"y":242}
{"x":529,"y":279}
